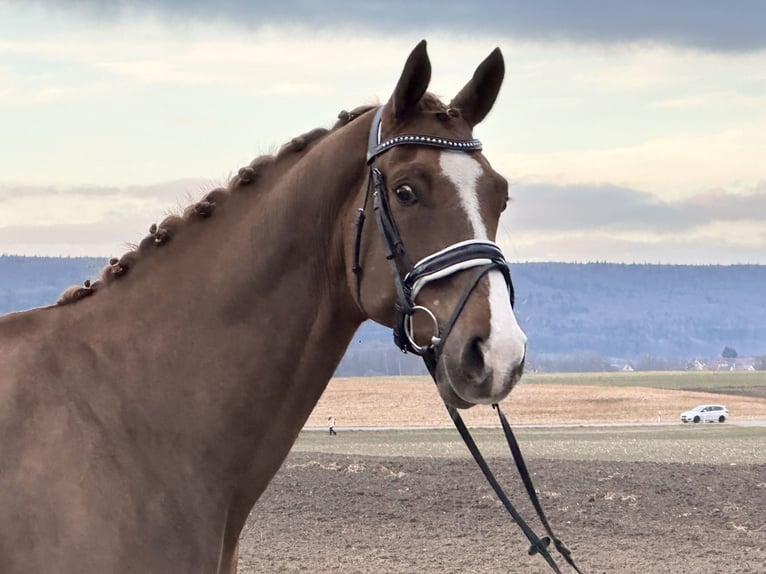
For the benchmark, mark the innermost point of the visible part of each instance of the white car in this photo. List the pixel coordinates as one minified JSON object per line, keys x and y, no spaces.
{"x":706,"y":414}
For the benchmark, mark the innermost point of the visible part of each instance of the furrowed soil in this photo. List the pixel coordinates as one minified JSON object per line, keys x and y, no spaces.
{"x":355,"y":513}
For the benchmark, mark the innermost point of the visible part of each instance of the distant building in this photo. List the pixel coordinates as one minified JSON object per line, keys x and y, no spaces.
{"x":695,"y":365}
{"x":732,"y":364}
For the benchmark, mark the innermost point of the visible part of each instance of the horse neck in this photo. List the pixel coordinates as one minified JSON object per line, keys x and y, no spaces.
{"x":223,"y":343}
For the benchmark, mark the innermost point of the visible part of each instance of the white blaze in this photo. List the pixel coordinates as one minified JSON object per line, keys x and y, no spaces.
{"x":506,"y":344}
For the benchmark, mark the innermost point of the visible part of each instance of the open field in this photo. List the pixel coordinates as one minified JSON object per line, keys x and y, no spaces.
{"x":710,"y":444}
{"x":711,"y":381}
{"x":546,"y":399}
{"x":643,"y":498}
{"x":357,"y":514}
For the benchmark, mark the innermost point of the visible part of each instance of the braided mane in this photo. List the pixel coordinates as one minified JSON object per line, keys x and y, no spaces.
{"x":246,"y":179}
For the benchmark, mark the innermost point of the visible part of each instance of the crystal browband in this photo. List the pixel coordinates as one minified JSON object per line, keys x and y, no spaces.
{"x":460,"y":145}
{"x":375,"y":147}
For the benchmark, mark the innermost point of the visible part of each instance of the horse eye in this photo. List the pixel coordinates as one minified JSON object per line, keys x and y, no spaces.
{"x":405,"y":195}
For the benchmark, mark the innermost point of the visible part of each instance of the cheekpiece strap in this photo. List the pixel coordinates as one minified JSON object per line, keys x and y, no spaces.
{"x":375,"y":147}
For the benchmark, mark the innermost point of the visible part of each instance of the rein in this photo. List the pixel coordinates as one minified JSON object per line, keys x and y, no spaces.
{"x":409,"y":279}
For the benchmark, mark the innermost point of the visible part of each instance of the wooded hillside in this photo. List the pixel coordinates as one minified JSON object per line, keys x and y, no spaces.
{"x":578,"y":316}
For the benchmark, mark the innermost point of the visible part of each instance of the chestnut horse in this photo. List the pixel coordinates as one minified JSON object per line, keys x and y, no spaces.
{"x":143,"y":415}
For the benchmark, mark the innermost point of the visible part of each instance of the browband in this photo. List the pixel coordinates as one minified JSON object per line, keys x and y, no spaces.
{"x":375,"y":147}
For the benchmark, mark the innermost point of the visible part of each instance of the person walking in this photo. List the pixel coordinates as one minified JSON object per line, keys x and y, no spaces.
{"x":331,"y":425}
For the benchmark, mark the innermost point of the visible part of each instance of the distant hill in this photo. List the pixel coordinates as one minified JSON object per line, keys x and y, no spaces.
{"x":578,"y":316}
{"x":597,"y":316}
{"x":27,"y":282}
{"x":642,"y":311}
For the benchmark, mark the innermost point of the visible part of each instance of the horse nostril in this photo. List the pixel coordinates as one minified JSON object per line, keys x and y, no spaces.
{"x":473,"y":354}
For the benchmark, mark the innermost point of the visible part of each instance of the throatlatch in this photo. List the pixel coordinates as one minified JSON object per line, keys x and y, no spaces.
{"x":409,"y":279}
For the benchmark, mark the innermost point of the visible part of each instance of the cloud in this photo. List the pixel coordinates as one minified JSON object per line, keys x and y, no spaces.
{"x":704,"y":24}
{"x":674,"y":165}
{"x":163,"y":191}
{"x":599,"y":207}
{"x":102,"y":238}
{"x":597,"y":222}
{"x":627,"y":153}
{"x":87,"y":220}
{"x":545,"y":221}
{"x":703,"y":249}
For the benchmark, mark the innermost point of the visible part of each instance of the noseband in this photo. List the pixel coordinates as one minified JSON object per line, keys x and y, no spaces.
{"x":409,"y":279}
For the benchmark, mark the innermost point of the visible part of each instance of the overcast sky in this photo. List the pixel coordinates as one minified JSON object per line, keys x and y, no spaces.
{"x":630,"y":132}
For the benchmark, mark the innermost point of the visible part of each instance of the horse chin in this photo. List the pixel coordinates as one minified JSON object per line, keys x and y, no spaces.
{"x":450,"y":397}
{"x":464,"y":390}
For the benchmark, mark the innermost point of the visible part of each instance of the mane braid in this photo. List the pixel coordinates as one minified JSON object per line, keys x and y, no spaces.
{"x":246,"y":179}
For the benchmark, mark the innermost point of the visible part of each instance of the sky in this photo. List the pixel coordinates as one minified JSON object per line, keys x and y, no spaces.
{"x":630,"y":132}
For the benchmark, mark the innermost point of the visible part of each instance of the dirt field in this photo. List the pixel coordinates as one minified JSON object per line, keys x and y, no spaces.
{"x":327,"y":512}
{"x":334,"y":513}
{"x":402,"y":401}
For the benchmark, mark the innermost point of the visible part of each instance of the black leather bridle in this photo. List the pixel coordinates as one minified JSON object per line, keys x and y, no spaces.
{"x":482,"y":257}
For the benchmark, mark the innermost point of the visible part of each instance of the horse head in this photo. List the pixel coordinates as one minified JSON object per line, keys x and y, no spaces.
{"x":431,"y":269}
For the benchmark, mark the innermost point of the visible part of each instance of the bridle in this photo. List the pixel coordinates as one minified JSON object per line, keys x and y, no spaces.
{"x":409,"y":279}
{"x":480,"y":256}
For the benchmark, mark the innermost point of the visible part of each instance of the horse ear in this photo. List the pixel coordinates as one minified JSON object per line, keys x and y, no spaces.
{"x":413,"y":81}
{"x":478,"y":96}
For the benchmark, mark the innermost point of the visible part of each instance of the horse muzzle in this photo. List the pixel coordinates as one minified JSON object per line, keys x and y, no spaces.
{"x":477,"y":353}
{"x":474,"y":369}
